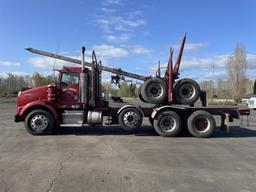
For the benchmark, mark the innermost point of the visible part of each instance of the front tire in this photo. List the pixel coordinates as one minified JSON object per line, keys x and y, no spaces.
{"x":167,"y":123}
{"x":39,"y":122}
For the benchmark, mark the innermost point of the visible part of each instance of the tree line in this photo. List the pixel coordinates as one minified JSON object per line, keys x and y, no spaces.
{"x":124,"y":90}
{"x":236,"y":84}
{"x":11,"y":85}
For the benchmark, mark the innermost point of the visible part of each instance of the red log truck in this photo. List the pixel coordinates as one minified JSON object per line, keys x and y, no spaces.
{"x":76,"y":100}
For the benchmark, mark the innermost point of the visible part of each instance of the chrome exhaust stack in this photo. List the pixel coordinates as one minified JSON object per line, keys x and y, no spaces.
{"x":83,"y":90}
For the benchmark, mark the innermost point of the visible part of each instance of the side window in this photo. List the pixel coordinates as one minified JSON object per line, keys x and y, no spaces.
{"x":69,"y":78}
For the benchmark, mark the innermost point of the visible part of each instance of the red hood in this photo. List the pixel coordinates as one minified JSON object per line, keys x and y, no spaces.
{"x":33,"y":94}
{"x":35,"y":89}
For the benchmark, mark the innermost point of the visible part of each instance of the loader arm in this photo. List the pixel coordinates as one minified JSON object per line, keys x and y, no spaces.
{"x":77,"y":61}
{"x":179,"y":57}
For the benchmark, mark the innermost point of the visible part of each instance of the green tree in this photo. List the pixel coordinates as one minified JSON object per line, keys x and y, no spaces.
{"x":124,"y":90}
{"x":107,"y":89}
{"x":40,"y":80}
{"x":128,"y":90}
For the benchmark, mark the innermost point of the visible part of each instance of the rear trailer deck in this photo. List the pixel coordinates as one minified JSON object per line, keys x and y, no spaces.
{"x":168,"y":120}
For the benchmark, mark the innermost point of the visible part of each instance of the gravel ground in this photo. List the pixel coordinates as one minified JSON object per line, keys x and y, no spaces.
{"x":108,"y":159}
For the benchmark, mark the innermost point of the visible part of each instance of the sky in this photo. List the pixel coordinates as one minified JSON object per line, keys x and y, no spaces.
{"x":128,"y":34}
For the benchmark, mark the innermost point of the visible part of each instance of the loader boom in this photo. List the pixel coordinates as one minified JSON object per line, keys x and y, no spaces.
{"x":77,"y":61}
{"x":177,"y":63}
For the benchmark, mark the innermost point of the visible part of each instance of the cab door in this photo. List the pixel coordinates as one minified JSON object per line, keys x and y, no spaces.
{"x":69,"y":96}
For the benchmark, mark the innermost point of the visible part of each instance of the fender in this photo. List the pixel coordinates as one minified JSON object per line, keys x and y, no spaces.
{"x":132,"y":106}
{"x":169,"y":107}
{"x":38,"y":104}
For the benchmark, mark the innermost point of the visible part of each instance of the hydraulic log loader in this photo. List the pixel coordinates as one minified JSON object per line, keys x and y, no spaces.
{"x":75,"y":100}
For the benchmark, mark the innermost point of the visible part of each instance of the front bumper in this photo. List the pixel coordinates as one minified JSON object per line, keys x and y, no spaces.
{"x":17,"y":118}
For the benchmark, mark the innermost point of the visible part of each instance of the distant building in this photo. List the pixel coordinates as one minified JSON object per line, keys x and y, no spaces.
{"x":249,"y":100}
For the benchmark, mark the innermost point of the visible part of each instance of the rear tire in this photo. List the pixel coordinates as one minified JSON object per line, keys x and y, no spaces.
{"x":139,"y":94}
{"x":201,"y":124}
{"x":154,"y":91}
{"x":167,"y":123}
{"x":186,"y":91}
{"x":130,"y":119}
{"x":39,"y":122}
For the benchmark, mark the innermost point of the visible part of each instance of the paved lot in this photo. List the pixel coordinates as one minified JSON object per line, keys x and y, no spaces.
{"x":109,"y":159}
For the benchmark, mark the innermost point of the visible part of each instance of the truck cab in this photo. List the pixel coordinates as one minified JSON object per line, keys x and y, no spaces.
{"x":60,"y":102}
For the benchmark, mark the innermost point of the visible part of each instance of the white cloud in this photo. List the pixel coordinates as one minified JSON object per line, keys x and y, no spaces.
{"x":106,"y":50}
{"x":18,"y":73}
{"x":205,"y":68}
{"x":134,"y":14}
{"x":139,"y":50}
{"x":44,"y":62}
{"x":117,"y":38}
{"x":195,"y":62}
{"x":3,"y":75}
{"x":195,"y":46}
{"x":112,"y":2}
{"x":48,"y":63}
{"x":9,"y":64}
{"x":210,"y":74}
{"x":200,"y":68}
{"x":251,"y":61}
{"x":191,"y":46}
{"x":106,"y":77}
{"x":119,"y":23}
{"x":219,"y":61}
{"x":103,"y":52}
{"x":107,"y":10}
{"x":139,"y":68}
{"x":118,"y":27}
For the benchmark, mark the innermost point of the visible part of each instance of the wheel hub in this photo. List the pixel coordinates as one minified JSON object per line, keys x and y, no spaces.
{"x":131,"y":118}
{"x":201,"y":124}
{"x":155,"y":90}
{"x":167,"y":123}
{"x":187,"y":91}
{"x":39,"y":122}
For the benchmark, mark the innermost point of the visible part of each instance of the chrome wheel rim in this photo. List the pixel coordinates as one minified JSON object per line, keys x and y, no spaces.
{"x":39,"y":122}
{"x":131,"y":118}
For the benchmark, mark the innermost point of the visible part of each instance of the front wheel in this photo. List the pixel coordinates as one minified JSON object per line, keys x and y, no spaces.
{"x":167,"y":123}
{"x":39,"y":122}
